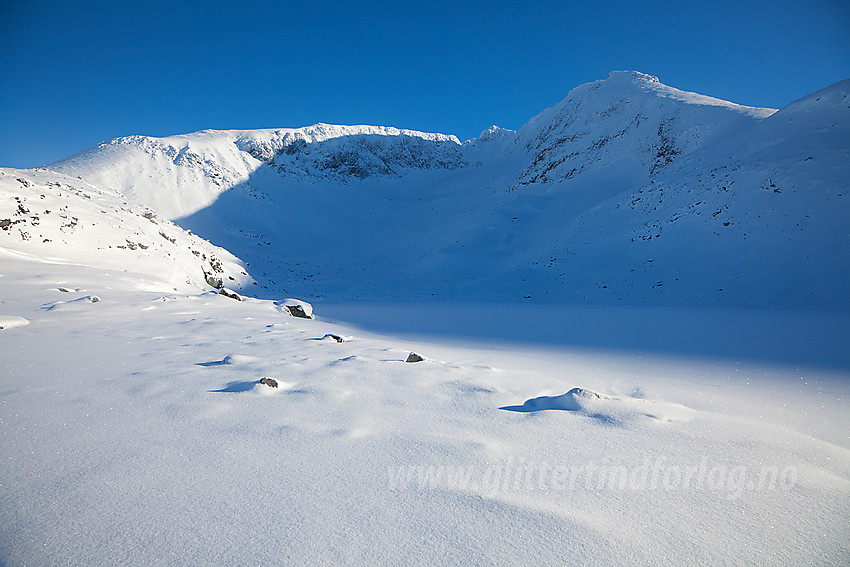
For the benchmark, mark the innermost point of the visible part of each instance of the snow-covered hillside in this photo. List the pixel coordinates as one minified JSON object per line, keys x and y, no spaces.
{"x":626,"y":191}
{"x":52,"y":218}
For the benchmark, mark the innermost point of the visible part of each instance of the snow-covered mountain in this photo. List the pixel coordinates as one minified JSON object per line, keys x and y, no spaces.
{"x":629,"y":117}
{"x":626,"y":191}
{"x":180,"y":175}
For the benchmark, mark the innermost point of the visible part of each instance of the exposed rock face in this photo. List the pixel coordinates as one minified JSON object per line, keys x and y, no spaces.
{"x":413,"y":357}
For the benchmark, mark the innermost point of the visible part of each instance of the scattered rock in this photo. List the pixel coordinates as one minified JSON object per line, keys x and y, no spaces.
{"x":413,"y":357}
{"x":213,"y":281}
{"x":231,"y":294}
{"x":270,"y":382}
{"x":4,"y":223}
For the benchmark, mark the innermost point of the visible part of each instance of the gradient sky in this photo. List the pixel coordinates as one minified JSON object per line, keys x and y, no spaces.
{"x":77,"y":73}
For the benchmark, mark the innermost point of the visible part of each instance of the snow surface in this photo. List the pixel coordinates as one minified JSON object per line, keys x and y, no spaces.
{"x":138,"y":426}
{"x":145,"y":437}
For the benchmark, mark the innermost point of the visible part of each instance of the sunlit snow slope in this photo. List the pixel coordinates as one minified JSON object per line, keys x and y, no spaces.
{"x":50,"y":218}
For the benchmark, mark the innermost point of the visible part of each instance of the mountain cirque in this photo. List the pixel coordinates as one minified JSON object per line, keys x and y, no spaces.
{"x":626,"y":191}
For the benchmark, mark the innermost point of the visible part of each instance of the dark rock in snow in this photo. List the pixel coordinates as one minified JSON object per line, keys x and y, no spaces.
{"x":337,"y":338}
{"x":213,"y":281}
{"x":231,"y":294}
{"x":270,"y":382}
{"x":413,"y":357}
{"x":298,"y":311}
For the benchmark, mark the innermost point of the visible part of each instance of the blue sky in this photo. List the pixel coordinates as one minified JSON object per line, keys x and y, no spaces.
{"x":77,"y":73}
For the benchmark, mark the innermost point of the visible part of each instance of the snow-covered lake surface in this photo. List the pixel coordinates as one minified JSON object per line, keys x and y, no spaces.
{"x":135,"y":431}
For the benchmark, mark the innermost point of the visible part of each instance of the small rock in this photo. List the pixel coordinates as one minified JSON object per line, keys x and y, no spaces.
{"x":413,"y":357}
{"x":270,"y":382}
{"x":213,"y":281}
{"x":337,"y":338}
{"x":94,"y":299}
{"x":298,"y":311}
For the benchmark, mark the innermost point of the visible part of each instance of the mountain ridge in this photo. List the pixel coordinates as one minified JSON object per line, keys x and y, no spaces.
{"x":627,"y":190}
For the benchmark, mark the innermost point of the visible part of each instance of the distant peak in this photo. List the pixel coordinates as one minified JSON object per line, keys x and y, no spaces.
{"x":632,"y":76}
{"x":495,"y":133}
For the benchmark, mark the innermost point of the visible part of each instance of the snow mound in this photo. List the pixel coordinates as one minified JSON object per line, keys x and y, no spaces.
{"x":571,"y":401}
{"x":612,"y":410}
{"x":12,"y":321}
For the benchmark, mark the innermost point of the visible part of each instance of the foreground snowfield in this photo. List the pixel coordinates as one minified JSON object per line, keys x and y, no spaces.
{"x":135,"y":432}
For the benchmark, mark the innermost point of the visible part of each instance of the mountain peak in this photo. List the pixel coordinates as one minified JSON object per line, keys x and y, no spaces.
{"x":495,"y":133}
{"x":631,"y":76}
{"x":632,"y":116}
